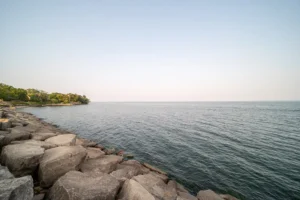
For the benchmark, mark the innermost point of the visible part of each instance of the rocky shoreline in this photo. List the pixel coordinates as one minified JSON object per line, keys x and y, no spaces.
{"x":40,"y":161}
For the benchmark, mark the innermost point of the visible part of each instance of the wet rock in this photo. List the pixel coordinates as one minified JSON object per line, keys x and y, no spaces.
{"x":21,"y":159}
{"x":135,"y":163}
{"x":152,"y":184}
{"x":185,"y":196}
{"x":94,"y":153}
{"x":58,"y":161}
{"x":38,"y":197}
{"x":110,"y":151}
{"x":105,"y":164}
{"x":16,"y":188}
{"x":42,"y":136}
{"x":208,"y":195}
{"x":76,"y":185}
{"x":5,"y":124}
{"x":132,"y":190}
{"x":100,"y":146}
{"x":45,"y":145}
{"x":152,"y":168}
{"x":181,"y":188}
{"x":63,"y":140}
{"x":5,"y":173}
{"x":164,"y":178}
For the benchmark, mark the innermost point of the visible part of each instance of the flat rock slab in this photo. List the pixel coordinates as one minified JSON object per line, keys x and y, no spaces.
{"x":5,"y":173}
{"x":94,"y":153}
{"x":208,"y":195}
{"x":75,"y":185}
{"x":132,"y":190}
{"x":105,"y":164}
{"x":45,"y":145}
{"x":63,"y":140}
{"x":152,"y":184}
{"x":58,"y":161}
{"x":42,"y":136}
{"x":16,"y":188}
{"x":21,"y":159}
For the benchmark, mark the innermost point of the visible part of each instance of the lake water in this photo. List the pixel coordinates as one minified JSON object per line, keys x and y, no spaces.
{"x":249,"y":149}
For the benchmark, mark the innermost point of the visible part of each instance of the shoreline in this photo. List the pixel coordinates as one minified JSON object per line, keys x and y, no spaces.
{"x":57,"y":157}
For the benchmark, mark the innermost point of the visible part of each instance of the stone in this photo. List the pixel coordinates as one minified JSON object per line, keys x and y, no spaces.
{"x":5,"y":124}
{"x":125,"y":173}
{"x":85,"y":142}
{"x":75,"y":185}
{"x":152,"y":168}
{"x":105,"y":164}
{"x":14,"y":124}
{"x":152,"y":184}
{"x":30,"y":128}
{"x":185,"y":196}
{"x":208,"y":195}
{"x":16,"y":188}
{"x":42,"y":136}
{"x":161,"y":176}
{"x":63,"y":140}
{"x":58,"y":161}
{"x":5,"y":173}
{"x":181,"y":188}
{"x":45,"y":145}
{"x":38,"y":197}
{"x":1,"y":114}
{"x":227,"y":197}
{"x":12,"y":137}
{"x":94,"y":153}
{"x":110,"y":151}
{"x":132,"y":190}
{"x":170,"y":191}
{"x":21,"y":159}
{"x":135,"y":163}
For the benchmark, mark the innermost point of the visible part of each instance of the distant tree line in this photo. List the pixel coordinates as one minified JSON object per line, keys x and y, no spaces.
{"x":9,"y":93}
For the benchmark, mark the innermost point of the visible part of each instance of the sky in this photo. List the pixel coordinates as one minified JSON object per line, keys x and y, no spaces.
{"x":153,"y":50}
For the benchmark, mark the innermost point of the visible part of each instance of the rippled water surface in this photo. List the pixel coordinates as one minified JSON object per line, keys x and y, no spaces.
{"x":248,"y":149}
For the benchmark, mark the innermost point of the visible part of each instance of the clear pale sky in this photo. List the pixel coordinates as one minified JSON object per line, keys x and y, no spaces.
{"x":153,"y":50}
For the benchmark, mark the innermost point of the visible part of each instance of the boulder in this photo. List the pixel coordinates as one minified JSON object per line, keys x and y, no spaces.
{"x":5,"y":173}
{"x":58,"y":161}
{"x":21,"y":159}
{"x":208,"y":195}
{"x":110,"y":151}
{"x":38,"y":197}
{"x":1,"y":114}
{"x":228,"y":197}
{"x":152,"y":184}
{"x":105,"y":164}
{"x":5,"y":124}
{"x":94,"y":153}
{"x":16,"y":188}
{"x":85,"y":142}
{"x":42,"y":136}
{"x":6,"y":139}
{"x":181,"y":188}
{"x":152,"y":168}
{"x":76,"y":185}
{"x":161,"y":176}
{"x":170,"y":191}
{"x":185,"y":196}
{"x":132,"y":190}
{"x":125,"y":173}
{"x":63,"y":140}
{"x":30,"y":128}
{"x":135,"y":163}
{"x":45,"y":145}
{"x":14,"y":124}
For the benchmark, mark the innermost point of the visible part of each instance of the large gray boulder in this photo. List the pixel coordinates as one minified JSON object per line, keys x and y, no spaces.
{"x":208,"y":195}
{"x":16,"y":188}
{"x":63,"y":140}
{"x":45,"y":145}
{"x":105,"y":164}
{"x":58,"y":161}
{"x":170,"y":191}
{"x":125,"y":173}
{"x":42,"y":136}
{"x":5,"y":173}
{"x":75,"y":185}
{"x":5,"y":124}
{"x":132,"y":190}
{"x":135,"y":164}
{"x":152,"y":184}
{"x":21,"y":159}
{"x":6,"y":139}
